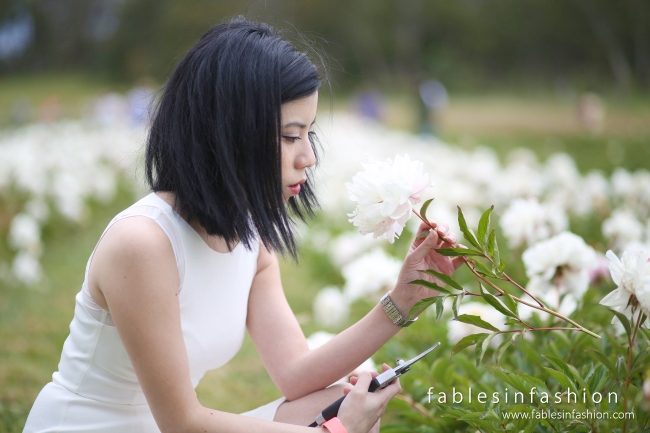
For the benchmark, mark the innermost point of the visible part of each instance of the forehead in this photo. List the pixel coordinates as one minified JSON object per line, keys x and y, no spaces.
{"x":300,"y":111}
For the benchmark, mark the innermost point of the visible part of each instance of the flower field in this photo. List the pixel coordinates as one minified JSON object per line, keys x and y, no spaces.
{"x":554,"y":219}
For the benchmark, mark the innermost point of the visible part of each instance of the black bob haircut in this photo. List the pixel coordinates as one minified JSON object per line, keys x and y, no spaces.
{"x":215,"y":138}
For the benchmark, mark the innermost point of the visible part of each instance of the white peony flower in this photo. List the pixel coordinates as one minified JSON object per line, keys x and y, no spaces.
{"x":331,"y":308}
{"x":631,"y":274}
{"x":526,"y":221}
{"x":562,"y":261}
{"x":385,"y":194}
{"x":622,"y":227}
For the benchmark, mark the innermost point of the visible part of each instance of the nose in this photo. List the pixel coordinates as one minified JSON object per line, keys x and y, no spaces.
{"x":306,"y":158}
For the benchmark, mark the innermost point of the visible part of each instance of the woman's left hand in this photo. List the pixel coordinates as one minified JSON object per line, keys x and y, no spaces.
{"x":421,"y":256}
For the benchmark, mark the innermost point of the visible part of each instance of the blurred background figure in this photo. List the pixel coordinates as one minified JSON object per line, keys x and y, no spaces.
{"x":140,"y":99}
{"x":111,"y":108}
{"x":369,"y":105}
{"x":434,"y":99}
{"x":590,"y":112}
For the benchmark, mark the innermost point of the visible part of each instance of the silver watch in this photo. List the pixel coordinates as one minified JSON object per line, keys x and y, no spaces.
{"x":392,"y":312}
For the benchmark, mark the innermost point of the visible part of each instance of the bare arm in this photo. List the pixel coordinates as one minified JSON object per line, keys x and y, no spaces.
{"x":295,"y":369}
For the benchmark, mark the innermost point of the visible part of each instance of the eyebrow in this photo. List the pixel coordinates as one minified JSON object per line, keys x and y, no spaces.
{"x":298,"y":124}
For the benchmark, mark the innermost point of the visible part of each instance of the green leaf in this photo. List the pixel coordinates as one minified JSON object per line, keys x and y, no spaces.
{"x":423,"y":209}
{"x":561,"y":378}
{"x":597,"y":380}
{"x":502,"y":348}
{"x":456,"y":304}
{"x":640,"y":362}
{"x":444,"y":278}
{"x":455,"y":252}
{"x":512,"y":322}
{"x":492,"y":300}
{"x":480,"y":350}
{"x":467,"y":232}
{"x":430,"y":285}
{"x":600,"y":356}
{"x":482,"y":269}
{"x":476,"y":321}
{"x":510,"y":303}
{"x":440,"y":307}
{"x":468,"y":341}
{"x":564,"y":367}
{"x":483,"y":225}
{"x":496,"y":258}
{"x":626,"y":323}
{"x":421,"y":305}
{"x":422,"y":235}
{"x":491,"y":242}
{"x":510,"y":378}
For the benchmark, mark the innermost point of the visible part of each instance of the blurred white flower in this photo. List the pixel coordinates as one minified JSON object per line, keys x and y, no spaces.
{"x":385,"y":194}
{"x":564,"y":304}
{"x":593,"y":195}
{"x":526,"y":221}
{"x":369,"y":274}
{"x":458,"y":330}
{"x":331,"y":308}
{"x":319,"y":338}
{"x":622,"y":227}
{"x":347,"y":246}
{"x":38,"y":208}
{"x":25,"y":233}
{"x":27,"y":269}
{"x":562,"y":261}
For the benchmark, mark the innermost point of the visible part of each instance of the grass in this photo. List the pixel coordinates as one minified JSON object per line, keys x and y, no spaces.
{"x":34,"y":324}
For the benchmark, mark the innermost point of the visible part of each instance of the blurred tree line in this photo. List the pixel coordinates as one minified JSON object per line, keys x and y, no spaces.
{"x":467,"y":44}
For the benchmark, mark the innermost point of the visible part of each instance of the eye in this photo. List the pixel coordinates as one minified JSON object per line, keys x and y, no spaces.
{"x":290,"y":139}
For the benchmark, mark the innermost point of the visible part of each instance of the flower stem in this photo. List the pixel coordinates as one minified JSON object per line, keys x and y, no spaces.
{"x":523,"y":290}
{"x":629,"y":362}
{"x":540,"y":307}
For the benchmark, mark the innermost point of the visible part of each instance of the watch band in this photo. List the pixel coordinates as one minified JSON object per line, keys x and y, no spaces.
{"x":392,"y":312}
{"x":334,"y":425}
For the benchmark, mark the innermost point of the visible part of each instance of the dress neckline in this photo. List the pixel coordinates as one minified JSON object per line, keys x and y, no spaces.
{"x":192,"y":229}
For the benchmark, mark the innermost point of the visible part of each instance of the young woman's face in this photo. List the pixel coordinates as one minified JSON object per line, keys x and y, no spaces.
{"x":298,"y":119}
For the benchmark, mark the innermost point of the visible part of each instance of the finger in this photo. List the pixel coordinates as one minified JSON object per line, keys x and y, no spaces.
{"x":363,"y":382}
{"x":442,"y":229}
{"x":346,"y":390}
{"x":385,"y":367}
{"x":457,"y":262}
{"x":353,"y":379}
{"x":427,"y":244}
{"x":394,"y":388}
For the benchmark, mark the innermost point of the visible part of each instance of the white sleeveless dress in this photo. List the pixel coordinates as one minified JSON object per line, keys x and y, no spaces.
{"x":95,"y":388}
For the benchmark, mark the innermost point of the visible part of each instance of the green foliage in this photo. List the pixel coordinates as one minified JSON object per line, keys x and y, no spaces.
{"x":547,"y":374}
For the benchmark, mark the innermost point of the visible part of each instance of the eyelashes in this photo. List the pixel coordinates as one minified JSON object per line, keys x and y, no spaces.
{"x":292,"y":139}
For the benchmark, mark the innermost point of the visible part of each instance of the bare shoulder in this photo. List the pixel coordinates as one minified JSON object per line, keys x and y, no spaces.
{"x":134,"y":248}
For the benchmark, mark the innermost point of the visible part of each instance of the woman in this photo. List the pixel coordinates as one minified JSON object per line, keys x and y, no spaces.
{"x":177,"y":278}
